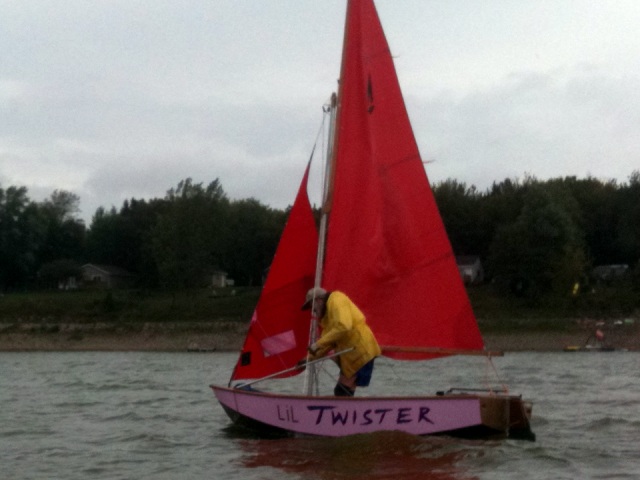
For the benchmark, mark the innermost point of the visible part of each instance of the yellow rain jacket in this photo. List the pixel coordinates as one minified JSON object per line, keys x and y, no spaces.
{"x":344,"y":326}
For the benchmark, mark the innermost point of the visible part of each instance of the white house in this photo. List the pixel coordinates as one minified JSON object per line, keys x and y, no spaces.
{"x":470,"y":269}
{"x":106,"y":276}
{"x":607,"y":273}
{"x":220,"y":279}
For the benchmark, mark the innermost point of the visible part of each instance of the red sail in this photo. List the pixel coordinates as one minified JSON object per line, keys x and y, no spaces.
{"x":279,"y":331}
{"x":387,"y":247}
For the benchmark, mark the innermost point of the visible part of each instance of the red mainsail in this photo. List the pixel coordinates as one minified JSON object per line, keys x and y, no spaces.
{"x":278,"y":335}
{"x":386,"y":244}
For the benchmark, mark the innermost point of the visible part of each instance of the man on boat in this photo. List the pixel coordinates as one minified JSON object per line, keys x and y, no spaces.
{"x":343,"y":327}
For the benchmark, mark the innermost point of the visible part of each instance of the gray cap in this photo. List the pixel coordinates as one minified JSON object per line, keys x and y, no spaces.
{"x":314,"y":292}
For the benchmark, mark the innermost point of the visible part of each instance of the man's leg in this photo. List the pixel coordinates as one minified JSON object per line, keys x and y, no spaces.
{"x":346,"y":387}
{"x":343,"y":391}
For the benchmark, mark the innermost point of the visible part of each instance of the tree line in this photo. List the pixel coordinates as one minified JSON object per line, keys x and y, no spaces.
{"x":540,"y":237}
{"x":534,"y":237}
{"x":175,"y":242}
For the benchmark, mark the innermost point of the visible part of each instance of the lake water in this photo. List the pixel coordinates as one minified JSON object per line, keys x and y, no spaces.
{"x":152,"y":416}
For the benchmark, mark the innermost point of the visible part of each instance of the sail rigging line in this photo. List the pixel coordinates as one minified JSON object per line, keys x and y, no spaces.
{"x":291,"y":369}
{"x":336,"y":100}
{"x":325,"y":370}
{"x":258,"y":326}
{"x":505,"y":388}
{"x":441,"y":351}
{"x":311,"y":383}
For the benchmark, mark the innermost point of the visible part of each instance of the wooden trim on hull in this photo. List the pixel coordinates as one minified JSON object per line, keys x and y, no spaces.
{"x":508,"y":414}
{"x":519,"y":419}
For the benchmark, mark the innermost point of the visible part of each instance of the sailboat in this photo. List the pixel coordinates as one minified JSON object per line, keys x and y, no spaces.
{"x":381,"y":241}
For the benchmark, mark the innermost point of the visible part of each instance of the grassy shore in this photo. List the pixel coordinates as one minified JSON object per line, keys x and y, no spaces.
{"x":207,"y":320}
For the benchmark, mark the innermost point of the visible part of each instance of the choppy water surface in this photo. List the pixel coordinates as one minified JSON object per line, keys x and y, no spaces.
{"x":152,"y":415}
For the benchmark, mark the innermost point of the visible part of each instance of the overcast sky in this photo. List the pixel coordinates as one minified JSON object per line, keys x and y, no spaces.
{"x":120,"y":99}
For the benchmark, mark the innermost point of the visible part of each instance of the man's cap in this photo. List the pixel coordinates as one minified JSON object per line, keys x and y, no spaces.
{"x":314,"y":292}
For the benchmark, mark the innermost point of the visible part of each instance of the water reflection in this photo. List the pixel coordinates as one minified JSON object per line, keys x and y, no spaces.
{"x":379,"y":456}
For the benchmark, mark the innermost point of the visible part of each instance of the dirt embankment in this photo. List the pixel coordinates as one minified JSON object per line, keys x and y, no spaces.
{"x":228,"y":336}
{"x":118,"y":337}
{"x":618,"y":334}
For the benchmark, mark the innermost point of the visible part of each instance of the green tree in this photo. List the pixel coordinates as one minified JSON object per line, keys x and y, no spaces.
{"x":252,"y":238}
{"x":627,"y":241}
{"x":189,"y":238}
{"x":105,"y":242}
{"x":541,"y":251}
{"x":599,"y":217}
{"x":21,"y":234}
{"x":124,"y":238}
{"x":64,"y":233}
{"x":63,"y":205}
{"x":140,"y":218}
{"x":499,"y":206}
{"x":459,"y":208}
{"x":53,"y":273}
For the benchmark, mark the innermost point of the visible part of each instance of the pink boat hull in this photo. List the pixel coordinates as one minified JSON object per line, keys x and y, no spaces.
{"x":338,"y":416}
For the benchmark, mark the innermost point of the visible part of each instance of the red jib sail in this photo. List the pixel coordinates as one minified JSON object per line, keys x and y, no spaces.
{"x":279,"y":331}
{"x":386,"y":246}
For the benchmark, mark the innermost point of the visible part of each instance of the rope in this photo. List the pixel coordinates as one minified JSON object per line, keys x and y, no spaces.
{"x":505,"y":389}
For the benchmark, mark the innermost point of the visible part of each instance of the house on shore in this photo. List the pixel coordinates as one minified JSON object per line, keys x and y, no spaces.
{"x":609,"y":273}
{"x":106,"y":276}
{"x":470,"y":268}
{"x":220,"y":279}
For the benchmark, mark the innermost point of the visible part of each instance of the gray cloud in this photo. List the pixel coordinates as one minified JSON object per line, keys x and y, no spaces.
{"x":113,"y":100}
{"x":580,"y":123}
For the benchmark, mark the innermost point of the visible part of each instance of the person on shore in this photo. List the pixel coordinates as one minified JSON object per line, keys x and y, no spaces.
{"x":343,"y":327}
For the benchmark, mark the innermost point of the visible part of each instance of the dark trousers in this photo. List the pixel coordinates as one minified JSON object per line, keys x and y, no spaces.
{"x":343,"y":391}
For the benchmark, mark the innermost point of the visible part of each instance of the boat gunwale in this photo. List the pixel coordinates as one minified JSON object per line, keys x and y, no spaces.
{"x":297,"y":396}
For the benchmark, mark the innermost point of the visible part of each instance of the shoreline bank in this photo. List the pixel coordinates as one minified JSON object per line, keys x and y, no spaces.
{"x":228,"y":337}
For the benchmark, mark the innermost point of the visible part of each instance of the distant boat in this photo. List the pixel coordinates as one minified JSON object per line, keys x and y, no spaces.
{"x":595,"y":343}
{"x":383,"y":243}
{"x":591,"y":348}
{"x":195,"y":348}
